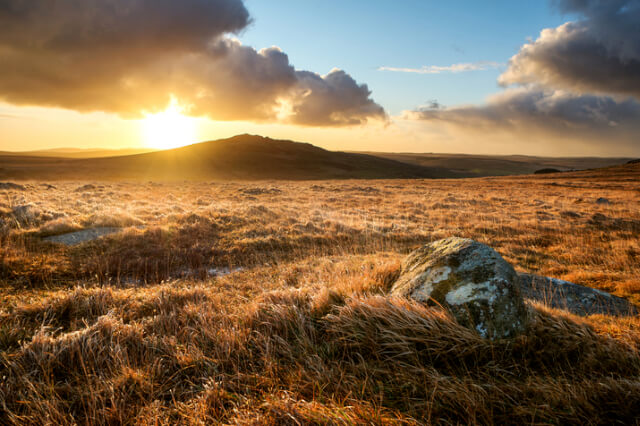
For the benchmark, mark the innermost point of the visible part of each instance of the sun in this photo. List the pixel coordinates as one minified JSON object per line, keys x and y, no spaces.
{"x":169,"y":128}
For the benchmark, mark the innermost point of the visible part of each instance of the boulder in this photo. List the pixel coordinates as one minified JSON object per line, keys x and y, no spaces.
{"x":603,"y":201}
{"x":470,"y":279}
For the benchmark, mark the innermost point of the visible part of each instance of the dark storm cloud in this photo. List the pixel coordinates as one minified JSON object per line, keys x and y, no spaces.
{"x":544,"y":115}
{"x":143,"y":26}
{"x":129,"y":56}
{"x":598,"y":53}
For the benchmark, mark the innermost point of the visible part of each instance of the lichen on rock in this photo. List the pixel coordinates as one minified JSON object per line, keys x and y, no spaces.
{"x":470,"y":279}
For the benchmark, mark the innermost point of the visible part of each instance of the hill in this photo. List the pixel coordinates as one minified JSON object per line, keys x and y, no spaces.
{"x":243,"y":157}
{"x":248,"y":157}
{"x":464,"y":165}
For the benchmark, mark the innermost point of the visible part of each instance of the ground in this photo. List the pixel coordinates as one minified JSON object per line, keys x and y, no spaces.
{"x":267,"y":303}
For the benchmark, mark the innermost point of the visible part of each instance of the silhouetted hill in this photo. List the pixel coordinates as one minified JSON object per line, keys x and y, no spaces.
{"x":243,"y":157}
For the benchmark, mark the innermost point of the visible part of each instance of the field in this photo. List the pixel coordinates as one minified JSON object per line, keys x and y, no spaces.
{"x":266,"y":302}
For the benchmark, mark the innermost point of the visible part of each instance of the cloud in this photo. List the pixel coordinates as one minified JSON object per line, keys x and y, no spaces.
{"x":333,"y":99}
{"x":599,"y":53}
{"x":543,"y":116}
{"x":454,"y":68}
{"x":578,"y":86}
{"x":433,"y":104}
{"x":143,"y":27}
{"x":130,"y":56}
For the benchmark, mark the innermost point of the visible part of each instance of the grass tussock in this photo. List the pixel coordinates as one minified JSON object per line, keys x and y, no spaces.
{"x":235,"y":303}
{"x":184,"y":355}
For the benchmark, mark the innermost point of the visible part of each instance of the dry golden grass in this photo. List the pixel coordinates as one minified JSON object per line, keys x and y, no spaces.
{"x":140,"y":327}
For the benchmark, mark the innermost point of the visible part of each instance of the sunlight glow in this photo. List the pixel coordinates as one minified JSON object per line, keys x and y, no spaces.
{"x":169,"y":128}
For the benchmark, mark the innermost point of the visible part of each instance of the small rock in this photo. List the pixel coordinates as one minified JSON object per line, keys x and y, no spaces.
{"x":11,"y":185}
{"x":577,"y":299}
{"x":469,"y":278}
{"x":603,"y":201}
{"x":79,"y":237}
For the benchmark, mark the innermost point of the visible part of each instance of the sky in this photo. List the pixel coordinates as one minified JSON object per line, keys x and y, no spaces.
{"x":558,"y":77}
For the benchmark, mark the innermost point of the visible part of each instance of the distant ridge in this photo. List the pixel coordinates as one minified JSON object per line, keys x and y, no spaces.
{"x":77,"y":152}
{"x":243,"y":157}
{"x":251,"y":157}
{"x":472,"y":165}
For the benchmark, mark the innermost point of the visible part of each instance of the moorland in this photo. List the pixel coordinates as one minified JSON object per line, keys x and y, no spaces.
{"x":266,"y":301}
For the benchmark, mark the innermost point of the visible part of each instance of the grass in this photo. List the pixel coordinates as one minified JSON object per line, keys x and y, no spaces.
{"x":140,"y":328}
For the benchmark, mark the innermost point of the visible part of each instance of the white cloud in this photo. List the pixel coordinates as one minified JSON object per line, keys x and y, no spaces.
{"x":454,"y":68}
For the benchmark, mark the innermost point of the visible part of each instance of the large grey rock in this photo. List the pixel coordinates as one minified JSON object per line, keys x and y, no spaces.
{"x":573,"y":298}
{"x":469,"y":278}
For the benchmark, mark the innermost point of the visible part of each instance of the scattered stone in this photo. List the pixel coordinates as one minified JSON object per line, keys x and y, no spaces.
{"x":213,"y":271}
{"x":224,"y":271}
{"x":603,"y":201}
{"x":79,"y":237}
{"x":472,"y":280}
{"x":574,"y":298}
{"x":11,"y":185}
